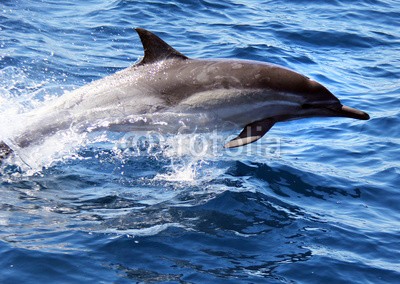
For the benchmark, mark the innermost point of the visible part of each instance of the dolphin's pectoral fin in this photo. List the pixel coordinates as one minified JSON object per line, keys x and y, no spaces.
{"x":251,"y":133}
{"x":155,"y":49}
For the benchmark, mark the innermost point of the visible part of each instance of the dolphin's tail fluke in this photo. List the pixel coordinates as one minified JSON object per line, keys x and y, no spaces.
{"x":5,"y":151}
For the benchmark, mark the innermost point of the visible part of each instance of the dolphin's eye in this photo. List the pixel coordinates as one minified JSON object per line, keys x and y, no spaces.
{"x":306,"y":106}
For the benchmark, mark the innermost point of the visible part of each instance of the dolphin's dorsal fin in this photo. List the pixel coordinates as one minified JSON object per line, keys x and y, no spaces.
{"x":155,"y":49}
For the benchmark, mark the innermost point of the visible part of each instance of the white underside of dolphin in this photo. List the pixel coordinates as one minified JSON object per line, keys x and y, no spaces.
{"x":166,"y":90}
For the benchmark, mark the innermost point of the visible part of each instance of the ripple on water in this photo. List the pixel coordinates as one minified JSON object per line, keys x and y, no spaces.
{"x":322,"y":207}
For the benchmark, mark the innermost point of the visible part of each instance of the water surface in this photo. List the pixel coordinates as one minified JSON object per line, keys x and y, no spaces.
{"x":315,"y":201}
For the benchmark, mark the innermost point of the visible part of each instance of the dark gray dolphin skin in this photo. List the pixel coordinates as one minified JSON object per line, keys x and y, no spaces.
{"x":284,"y":94}
{"x":248,"y":94}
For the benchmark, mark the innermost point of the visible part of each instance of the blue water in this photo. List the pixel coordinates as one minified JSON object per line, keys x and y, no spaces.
{"x":316,"y":201}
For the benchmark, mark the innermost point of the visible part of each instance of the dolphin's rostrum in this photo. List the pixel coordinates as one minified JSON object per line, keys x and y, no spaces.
{"x":167,"y":85}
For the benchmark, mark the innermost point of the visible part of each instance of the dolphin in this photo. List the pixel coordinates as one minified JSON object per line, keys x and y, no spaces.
{"x":166,"y":89}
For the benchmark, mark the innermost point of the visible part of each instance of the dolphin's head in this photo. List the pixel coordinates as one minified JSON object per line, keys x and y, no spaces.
{"x":319,"y":101}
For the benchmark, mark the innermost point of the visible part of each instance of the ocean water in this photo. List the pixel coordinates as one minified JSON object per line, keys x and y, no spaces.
{"x":314,"y":201}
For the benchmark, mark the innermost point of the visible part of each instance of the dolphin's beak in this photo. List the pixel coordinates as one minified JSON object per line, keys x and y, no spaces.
{"x":346,"y":111}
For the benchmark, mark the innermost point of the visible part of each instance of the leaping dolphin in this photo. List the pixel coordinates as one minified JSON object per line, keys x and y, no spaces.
{"x":166,"y":87}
